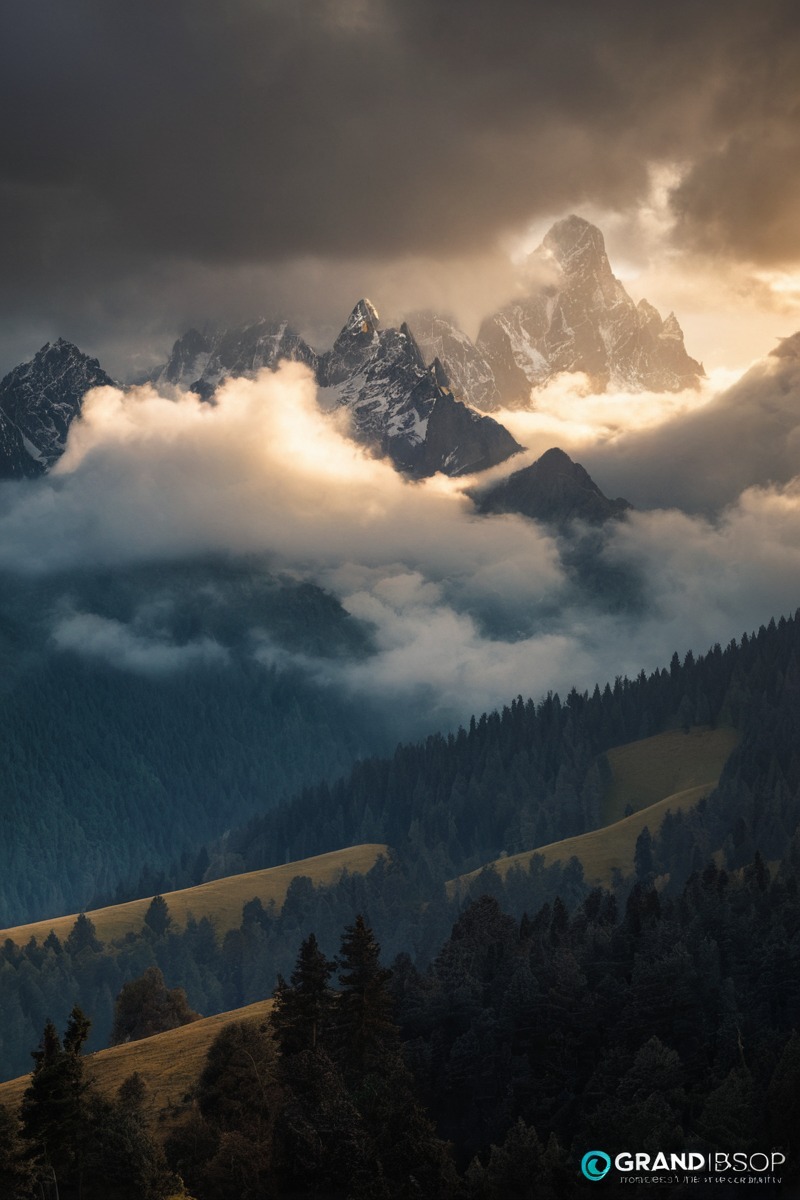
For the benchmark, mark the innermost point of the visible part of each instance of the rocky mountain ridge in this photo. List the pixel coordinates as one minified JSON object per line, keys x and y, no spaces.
{"x":584,"y":320}
{"x":39,"y":400}
{"x":399,"y":405}
{"x":417,"y":394}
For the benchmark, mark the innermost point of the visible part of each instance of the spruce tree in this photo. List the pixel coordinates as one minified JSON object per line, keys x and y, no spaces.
{"x":365,"y":1032}
{"x":82,"y":936}
{"x":303,"y":1008}
{"x":158,"y":916}
{"x":53,"y":1107}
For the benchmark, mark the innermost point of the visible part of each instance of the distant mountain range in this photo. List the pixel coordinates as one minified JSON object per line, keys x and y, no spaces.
{"x":400,"y":407}
{"x":417,"y":394}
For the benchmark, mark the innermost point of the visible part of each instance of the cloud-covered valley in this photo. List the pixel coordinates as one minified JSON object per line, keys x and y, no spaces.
{"x":464,"y":611}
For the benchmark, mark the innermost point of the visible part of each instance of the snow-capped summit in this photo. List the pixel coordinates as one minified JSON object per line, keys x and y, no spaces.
{"x":402,"y":408}
{"x":363,"y":320}
{"x":398,"y":405}
{"x":357,"y":343}
{"x":38,"y":402}
{"x":200,"y":362}
{"x":583,"y":321}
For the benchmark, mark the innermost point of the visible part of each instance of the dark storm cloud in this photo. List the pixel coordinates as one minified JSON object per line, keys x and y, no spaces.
{"x":140,"y":135}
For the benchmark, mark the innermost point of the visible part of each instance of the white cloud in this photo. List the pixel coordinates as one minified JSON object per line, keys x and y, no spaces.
{"x":102,"y":638}
{"x":467,"y":611}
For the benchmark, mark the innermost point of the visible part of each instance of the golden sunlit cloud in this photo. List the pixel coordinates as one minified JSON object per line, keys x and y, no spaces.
{"x":464,"y":610}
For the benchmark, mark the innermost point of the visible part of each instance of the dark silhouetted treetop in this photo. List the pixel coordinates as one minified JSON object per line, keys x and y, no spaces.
{"x":158,"y":916}
{"x":53,"y":1108}
{"x":146,"y":1006}
{"x":82,"y":936}
{"x":238,"y":1087}
{"x":303,"y":1011}
{"x":365,"y":1032}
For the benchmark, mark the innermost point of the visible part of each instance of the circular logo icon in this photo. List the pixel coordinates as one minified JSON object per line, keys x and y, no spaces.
{"x":595,"y":1164}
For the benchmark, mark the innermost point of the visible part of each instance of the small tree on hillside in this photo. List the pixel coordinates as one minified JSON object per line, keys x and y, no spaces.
{"x":82,"y":936}
{"x":158,"y":916}
{"x":146,"y":1006}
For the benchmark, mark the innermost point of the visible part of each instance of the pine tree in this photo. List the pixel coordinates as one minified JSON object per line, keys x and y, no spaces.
{"x":365,"y":1033}
{"x":83,"y":936}
{"x":16,"y":1173}
{"x":53,"y":1107}
{"x":303,"y":1010}
{"x":158,"y":916}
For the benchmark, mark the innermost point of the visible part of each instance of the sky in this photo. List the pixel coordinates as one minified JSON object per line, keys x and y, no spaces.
{"x":169,"y":165}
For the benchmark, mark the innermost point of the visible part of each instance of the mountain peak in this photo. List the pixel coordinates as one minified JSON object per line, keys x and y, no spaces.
{"x":553,"y":489}
{"x":60,"y":348}
{"x":788,"y":347}
{"x":42,"y":397}
{"x":575,"y":244}
{"x":584,"y":321}
{"x":363,"y":319}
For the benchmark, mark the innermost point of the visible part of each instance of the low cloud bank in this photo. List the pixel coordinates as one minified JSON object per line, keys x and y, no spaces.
{"x":115,"y":642}
{"x":466,"y":611}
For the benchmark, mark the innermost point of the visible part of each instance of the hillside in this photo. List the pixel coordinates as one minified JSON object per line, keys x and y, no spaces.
{"x":669,"y":772}
{"x":137,"y":724}
{"x":646,"y":771}
{"x":602,"y":852}
{"x":221,"y":899}
{"x":169,"y":1063}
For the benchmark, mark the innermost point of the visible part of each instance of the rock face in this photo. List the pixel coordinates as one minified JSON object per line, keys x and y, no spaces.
{"x":553,"y":489}
{"x":402,"y":408}
{"x":584,"y":321}
{"x":199,"y":362}
{"x":15,"y":461}
{"x":471,"y":377}
{"x":38,"y":402}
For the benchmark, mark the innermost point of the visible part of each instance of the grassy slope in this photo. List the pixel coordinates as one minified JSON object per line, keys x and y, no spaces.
{"x":645,"y":772}
{"x":221,"y":899}
{"x":602,"y":850}
{"x":170,"y":1064}
{"x":670,"y":771}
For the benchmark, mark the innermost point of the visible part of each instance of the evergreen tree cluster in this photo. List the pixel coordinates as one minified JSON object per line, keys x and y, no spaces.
{"x":319,"y":1104}
{"x":73,"y":1143}
{"x":407,"y":907}
{"x":669,"y":1025}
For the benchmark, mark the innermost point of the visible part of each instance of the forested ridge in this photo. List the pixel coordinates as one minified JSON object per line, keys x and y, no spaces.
{"x":542,"y":758}
{"x":534,"y":1012}
{"x":533,"y":773}
{"x":109,"y":765}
